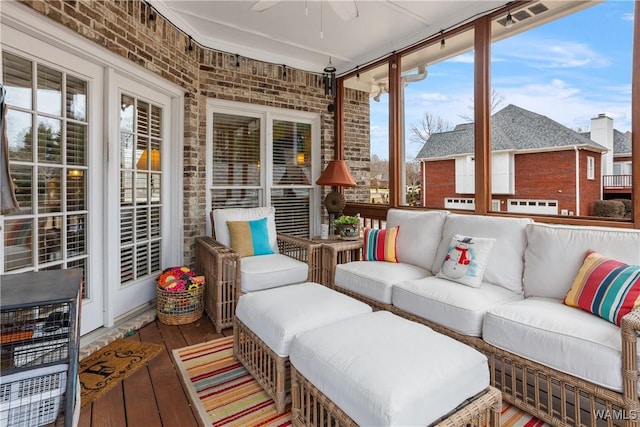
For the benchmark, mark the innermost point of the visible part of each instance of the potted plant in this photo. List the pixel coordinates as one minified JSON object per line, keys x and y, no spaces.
{"x":348,"y":227}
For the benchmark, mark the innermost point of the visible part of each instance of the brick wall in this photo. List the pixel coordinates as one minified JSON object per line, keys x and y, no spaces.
{"x":441,"y":182}
{"x":357,"y":147}
{"x":131,"y":30}
{"x":589,"y":189}
{"x":545,"y":176}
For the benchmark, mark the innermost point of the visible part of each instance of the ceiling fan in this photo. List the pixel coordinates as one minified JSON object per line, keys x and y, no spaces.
{"x":345,"y":9}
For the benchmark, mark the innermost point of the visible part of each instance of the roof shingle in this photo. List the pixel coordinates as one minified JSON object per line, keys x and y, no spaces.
{"x":512,"y":128}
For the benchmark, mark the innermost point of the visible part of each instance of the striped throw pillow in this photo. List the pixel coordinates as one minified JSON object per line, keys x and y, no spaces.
{"x":250,"y":238}
{"x":605,"y":287}
{"x":380,"y":245}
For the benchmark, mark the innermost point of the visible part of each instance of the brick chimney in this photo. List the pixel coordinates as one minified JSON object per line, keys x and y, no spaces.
{"x":602,"y":133}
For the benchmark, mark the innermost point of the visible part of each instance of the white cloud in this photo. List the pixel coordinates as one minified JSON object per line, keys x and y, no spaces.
{"x":465,"y":58}
{"x":537,"y":52}
{"x":566,"y":104}
{"x":433,"y":97}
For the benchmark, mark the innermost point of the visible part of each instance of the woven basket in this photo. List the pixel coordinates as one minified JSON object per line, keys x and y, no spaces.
{"x":179,"y":308}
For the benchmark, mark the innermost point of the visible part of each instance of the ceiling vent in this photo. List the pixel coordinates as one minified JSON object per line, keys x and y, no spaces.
{"x":523,"y":14}
{"x":538,"y":8}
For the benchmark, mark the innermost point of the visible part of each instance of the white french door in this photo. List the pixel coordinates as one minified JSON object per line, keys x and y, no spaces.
{"x":138,"y":193}
{"x":54,"y":129}
{"x":95,"y":152}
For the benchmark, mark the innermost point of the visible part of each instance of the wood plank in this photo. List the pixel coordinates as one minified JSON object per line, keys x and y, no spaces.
{"x":108,"y":410}
{"x":191,"y":332}
{"x":117,"y":407}
{"x":85,"y":416}
{"x":208,"y":330}
{"x":141,"y":410}
{"x":172,"y":402}
{"x":172,"y":336}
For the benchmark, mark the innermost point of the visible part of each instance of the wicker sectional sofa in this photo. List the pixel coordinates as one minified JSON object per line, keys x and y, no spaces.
{"x":560,"y":363}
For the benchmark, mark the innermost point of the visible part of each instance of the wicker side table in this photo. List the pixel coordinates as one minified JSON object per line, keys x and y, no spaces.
{"x":337,"y":251}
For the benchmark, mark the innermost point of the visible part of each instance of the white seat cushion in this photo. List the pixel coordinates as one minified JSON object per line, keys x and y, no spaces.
{"x":564,"y":338}
{"x":374,"y":279}
{"x":383,"y":370}
{"x":269,"y":271}
{"x":276,"y":315}
{"x":450,"y":304}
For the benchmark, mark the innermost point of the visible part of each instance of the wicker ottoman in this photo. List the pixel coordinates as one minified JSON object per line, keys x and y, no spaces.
{"x":266,"y":322}
{"x":379,"y":369}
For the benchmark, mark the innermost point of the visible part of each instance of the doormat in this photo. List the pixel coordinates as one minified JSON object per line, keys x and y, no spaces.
{"x":225,"y":393}
{"x":111,"y":364}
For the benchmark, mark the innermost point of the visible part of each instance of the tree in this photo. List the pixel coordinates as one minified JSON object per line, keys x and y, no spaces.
{"x":412,"y":171}
{"x":379,"y":168}
{"x":496,"y":100}
{"x":429,"y":124}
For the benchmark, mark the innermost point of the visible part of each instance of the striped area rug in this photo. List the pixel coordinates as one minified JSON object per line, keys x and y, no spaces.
{"x":225,"y":394}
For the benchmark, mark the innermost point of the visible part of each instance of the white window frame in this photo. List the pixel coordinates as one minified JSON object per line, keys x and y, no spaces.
{"x":591,"y":168}
{"x":267,"y":115}
{"x":624,"y":167}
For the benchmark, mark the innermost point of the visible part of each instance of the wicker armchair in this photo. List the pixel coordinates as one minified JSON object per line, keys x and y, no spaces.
{"x":222,"y":267}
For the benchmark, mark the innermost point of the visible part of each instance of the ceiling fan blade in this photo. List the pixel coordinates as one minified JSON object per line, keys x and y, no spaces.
{"x":345,"y":9}
{"x":262,"y":5}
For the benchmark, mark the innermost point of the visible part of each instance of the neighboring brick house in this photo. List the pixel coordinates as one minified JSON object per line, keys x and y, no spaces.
{"x":538,"y":166}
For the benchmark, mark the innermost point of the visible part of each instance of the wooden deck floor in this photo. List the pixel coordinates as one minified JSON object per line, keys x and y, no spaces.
{"x":153,"y":395}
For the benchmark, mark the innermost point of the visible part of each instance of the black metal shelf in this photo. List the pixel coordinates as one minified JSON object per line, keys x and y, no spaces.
{"x":39,"y":324}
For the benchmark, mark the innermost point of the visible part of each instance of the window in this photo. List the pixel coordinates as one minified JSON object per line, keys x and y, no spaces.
{"x":551,"y":83}
{"x":264,"y":157}
{"x":140,"y":188}
{"x":622,"y":168}
{"x":591,"y":167}
{"x":47,"y":136}
{"x":438,"y":109}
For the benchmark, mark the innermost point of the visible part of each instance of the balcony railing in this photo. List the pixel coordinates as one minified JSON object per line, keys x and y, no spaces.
{"x":616,"y":181}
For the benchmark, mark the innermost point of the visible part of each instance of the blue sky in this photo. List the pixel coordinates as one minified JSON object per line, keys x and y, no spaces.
{"x":569,"y":70}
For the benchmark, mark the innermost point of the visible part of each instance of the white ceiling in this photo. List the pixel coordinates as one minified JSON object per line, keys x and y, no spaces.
{"x":284,"y":33}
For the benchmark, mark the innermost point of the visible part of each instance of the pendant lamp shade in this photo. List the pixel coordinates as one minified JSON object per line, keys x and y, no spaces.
{"x":336,"y":174}
{"x":144,"y":158}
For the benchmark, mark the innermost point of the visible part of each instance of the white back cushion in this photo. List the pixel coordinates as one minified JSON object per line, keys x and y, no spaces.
{"x":221,"y":216}
{"x":419,"y":236}
{"x":555,"y":253}
{"x":506,"y":263}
